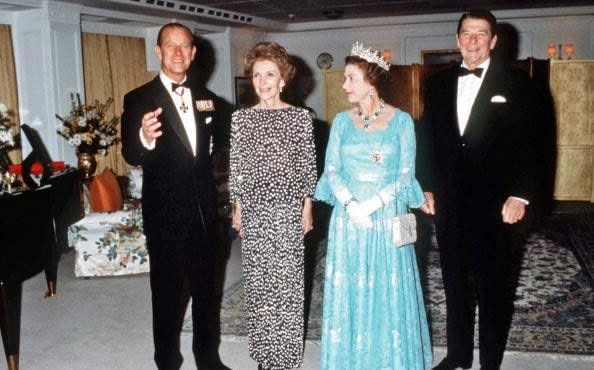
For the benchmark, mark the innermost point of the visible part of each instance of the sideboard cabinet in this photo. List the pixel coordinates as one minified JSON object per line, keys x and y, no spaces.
{"x":572,"y":87}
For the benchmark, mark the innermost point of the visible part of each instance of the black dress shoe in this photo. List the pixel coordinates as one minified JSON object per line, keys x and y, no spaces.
{"x":447,"y":364}
{"x":213,"y":365}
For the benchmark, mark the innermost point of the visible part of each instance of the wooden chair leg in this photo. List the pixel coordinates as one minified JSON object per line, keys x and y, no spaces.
{"x":51,"y":289}
{"x":10,"y":321}
{"x":13,"y":362}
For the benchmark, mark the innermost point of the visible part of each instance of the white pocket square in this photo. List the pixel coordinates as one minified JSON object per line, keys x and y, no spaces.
{"x":208,"y":120}
{"x":498,"y":99}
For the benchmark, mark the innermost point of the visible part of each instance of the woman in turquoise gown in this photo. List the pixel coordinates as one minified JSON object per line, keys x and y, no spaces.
{"x":374,"y":315}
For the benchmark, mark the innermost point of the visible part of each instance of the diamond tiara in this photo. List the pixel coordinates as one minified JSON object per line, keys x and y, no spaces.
{"x":371,"y":56}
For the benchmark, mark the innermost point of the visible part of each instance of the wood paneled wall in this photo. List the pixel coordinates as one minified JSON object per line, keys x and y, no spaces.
{"x":404,"y":92}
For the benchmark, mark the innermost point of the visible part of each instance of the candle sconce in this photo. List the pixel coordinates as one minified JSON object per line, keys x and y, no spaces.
{"x":557,"y":51}
{"x":552,"y":51}
{"x":569,"y":50}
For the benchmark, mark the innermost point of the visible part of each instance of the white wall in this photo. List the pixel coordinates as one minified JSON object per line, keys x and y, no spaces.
{"x":67,"y":73}
{"x":221,"y":80}
{"x":241,"y":43}
{"x":49,"y":67}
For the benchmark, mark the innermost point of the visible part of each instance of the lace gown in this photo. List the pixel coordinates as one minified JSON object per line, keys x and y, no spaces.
{"x":272,"y":163}
{"x":373,"y":316}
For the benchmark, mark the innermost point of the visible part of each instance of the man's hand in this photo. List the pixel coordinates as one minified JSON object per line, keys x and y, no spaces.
{"x":429,"y":206}
{"x":513,"y":210}
{"x":151,"y":126}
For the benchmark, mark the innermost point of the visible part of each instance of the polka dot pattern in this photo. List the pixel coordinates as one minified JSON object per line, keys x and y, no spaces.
{"x":272,"y":163}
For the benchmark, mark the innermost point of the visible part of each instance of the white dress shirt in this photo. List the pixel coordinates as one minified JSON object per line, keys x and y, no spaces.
{"x":468,"y":87}
{"x":182,"y":98}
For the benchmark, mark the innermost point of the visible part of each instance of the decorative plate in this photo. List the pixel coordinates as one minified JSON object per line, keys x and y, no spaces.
{"x":324,"y":60}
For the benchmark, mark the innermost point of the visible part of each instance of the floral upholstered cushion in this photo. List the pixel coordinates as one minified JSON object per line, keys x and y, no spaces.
{"x":110,"y":243}
{"x":135,"y":183}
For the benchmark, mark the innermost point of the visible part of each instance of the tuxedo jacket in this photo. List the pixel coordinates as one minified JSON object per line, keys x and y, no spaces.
{"x":494,"y":157}
{"x":178,"y":190}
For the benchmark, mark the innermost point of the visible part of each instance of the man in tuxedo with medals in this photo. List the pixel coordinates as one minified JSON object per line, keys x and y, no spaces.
{"x":476,"y":163}
{"x":166,"y":128}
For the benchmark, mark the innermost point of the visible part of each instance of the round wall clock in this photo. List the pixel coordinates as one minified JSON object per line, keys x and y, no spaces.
{"x":324,"y":60}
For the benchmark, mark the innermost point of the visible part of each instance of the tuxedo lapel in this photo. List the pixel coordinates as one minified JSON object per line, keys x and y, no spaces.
{"x":479,"y":119}
{"x":451,"y":97}
{"x":170,"y":116}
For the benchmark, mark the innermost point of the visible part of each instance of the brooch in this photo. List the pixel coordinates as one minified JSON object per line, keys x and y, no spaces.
{"x":377,"y":156}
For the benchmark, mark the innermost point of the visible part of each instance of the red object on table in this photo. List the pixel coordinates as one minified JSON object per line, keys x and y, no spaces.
{"x":57,"y":166}
{"x":17,"y":169}
{"x":37,"y":169}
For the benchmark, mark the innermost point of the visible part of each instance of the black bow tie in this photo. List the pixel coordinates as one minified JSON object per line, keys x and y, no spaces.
{"x":174,"y":86}
{"x":478,"y":72}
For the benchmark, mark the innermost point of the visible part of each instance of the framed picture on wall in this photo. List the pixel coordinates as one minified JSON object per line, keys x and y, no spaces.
{"x":441,"y":56}
{"x":244,"y":93}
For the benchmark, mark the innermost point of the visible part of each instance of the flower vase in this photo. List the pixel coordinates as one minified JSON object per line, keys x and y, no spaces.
{"x":87,"y":164}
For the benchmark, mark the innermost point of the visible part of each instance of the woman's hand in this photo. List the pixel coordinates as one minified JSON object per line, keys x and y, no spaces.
{"x":306,"y":216}
{"x":236,"y":219}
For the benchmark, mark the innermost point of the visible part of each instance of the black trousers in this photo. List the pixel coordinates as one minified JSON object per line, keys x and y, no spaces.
{"x":181,"y":270}
{"x":480,"y":260}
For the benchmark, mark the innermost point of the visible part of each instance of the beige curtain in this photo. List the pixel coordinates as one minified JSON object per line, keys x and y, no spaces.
{"x":113,"y":65}
{"x":8,"y":86}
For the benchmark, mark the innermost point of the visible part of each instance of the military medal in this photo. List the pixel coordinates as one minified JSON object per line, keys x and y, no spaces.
{"x":205,"y":105}
{"x":180,"y":92}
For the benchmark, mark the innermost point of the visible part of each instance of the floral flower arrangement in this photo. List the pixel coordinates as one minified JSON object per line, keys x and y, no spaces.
{"x":6,"y":128}
{"x":87,"y":128}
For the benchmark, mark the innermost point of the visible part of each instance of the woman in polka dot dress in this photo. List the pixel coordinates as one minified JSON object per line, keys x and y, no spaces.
{"x":273,"y":176}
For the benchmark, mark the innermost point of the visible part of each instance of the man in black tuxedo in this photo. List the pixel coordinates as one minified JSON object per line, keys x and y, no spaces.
{"x":167,"y":129}
{"x":477,"y":161}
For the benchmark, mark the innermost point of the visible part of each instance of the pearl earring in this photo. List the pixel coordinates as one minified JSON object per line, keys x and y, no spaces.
{"x":370,"y":94}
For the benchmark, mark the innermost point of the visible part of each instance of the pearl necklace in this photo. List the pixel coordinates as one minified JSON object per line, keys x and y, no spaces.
{"x":373,"y":116}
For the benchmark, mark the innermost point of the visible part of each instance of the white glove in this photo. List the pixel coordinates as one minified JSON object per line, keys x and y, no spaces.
{"x":344,"y":195}
{"x":358,"y":216}
{"x":372,"y":204}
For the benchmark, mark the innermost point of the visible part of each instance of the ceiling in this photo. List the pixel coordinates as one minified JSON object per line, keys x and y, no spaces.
{"x":284,"y":15}
{"x":321,"y":10}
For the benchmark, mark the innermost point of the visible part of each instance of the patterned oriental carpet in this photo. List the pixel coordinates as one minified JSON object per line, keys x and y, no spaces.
{"x":554,"y":301}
